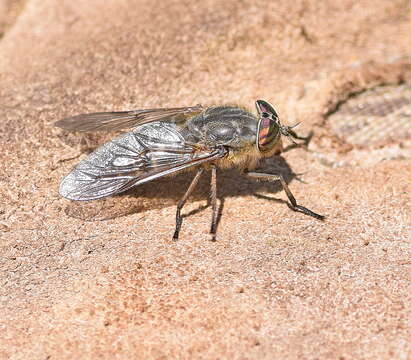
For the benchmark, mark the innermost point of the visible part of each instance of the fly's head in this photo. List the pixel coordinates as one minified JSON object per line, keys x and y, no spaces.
{"x":269,"y":130}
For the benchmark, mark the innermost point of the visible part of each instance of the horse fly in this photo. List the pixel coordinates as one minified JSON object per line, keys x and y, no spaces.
{"x":165,"y":141}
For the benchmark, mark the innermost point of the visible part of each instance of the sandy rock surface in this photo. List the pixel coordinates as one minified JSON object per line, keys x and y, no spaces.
{"x":104,"y":280}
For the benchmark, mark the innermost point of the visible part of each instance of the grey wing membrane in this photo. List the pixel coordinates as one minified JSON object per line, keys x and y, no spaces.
{"x":107,"y":121}
{"x":148,"y":152}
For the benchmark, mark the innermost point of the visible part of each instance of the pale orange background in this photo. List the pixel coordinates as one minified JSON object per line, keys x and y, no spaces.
{"x":103,"y":280}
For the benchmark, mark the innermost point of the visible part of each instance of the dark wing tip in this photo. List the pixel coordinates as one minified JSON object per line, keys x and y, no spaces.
{"x":107,"y":121}
{"x":74,"y":123}
{"x":101,"y":121}
{"x":63,"y":123}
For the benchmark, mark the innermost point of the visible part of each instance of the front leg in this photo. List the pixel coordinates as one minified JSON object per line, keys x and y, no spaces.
{"x":293,"y":203}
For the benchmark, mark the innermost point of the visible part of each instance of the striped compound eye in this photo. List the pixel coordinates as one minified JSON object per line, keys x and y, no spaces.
{"x":268,"y":126}
{"x":268,"y":132}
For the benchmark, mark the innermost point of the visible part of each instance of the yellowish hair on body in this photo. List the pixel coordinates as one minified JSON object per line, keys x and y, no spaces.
{"x":247,"y":157}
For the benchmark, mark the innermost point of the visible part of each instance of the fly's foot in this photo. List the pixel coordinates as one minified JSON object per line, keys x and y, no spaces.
{"x":306,"y":211}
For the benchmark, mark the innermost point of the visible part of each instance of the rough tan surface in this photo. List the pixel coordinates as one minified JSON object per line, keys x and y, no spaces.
{"x":103,"y":280}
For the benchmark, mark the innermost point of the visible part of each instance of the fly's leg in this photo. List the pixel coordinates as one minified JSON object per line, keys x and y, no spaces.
{"x":179,"y":219}
{"x":213,"y":196}
{"x":293,"y":203}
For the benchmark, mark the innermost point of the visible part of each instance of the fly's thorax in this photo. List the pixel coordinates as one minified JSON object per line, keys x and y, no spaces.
{"x":230,"y":126}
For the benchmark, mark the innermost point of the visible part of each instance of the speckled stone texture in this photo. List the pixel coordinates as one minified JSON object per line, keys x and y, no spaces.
{"x":104,"y":280}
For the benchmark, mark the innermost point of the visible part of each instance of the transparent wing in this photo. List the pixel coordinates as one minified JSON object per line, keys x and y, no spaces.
{"x":148,"y":152}
{"x":105,"y":121}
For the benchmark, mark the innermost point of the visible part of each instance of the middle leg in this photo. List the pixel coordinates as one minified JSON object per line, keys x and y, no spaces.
{"x":213,"y":196}
{"x":179,"y":218}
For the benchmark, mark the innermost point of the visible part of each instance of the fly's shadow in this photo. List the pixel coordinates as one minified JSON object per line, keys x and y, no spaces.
{"x":167,"y":191}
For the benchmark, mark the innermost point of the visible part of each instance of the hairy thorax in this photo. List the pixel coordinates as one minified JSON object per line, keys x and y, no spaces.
{"x":233,"y":127}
